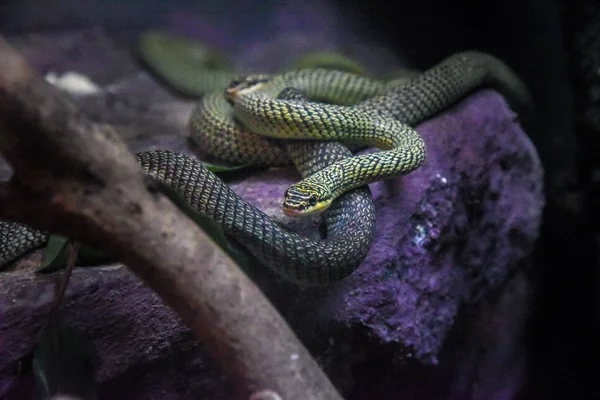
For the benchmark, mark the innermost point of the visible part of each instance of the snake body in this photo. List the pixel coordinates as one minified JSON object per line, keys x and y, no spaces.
{"x":214,"y":128}
{"x":258,"y":108}
{"x":293,"y":256}
{"x":350,"y":220}
{"x":383,"y":120}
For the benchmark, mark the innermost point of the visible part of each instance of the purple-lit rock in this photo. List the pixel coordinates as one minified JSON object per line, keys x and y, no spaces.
{"x":449,"y":234}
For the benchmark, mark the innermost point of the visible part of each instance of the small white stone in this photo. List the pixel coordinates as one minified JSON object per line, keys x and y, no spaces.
{"x":73,"y":82}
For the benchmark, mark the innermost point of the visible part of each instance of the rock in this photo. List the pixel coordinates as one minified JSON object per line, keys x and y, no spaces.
{"x":449,"y":233}
{"x":435,"y":288}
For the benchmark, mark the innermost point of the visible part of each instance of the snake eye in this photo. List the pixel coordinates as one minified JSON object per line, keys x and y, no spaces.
{"x":312,"y":200}
{"x":235,"y":82}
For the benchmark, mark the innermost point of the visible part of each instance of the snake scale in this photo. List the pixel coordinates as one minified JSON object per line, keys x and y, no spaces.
{"x":229,"y":132}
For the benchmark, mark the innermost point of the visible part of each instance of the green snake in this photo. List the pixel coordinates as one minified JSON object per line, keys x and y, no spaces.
{"x":383,"y":120}
{"x":230,"y":133}
{"x":257,"y":107}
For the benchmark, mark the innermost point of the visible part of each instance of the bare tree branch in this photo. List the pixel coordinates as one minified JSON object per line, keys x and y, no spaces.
{"x":79,"y":179}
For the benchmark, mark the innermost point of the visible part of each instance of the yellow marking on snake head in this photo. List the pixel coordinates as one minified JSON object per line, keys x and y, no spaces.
{"x":305,"y":198}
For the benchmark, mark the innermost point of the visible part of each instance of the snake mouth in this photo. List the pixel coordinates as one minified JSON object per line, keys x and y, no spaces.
{"x":232,"y":93}
{"x":291,"y":212}
{"x":303,"y":212}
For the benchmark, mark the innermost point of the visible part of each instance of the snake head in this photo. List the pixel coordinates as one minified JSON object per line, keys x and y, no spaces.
{"x":244,"y":85}
{"x":305,"y":198}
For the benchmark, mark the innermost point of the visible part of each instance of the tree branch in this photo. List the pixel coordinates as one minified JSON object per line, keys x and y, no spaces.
{"x":77,"y":178}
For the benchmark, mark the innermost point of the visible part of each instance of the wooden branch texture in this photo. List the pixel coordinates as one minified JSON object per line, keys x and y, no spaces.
{"x":78,"y":178}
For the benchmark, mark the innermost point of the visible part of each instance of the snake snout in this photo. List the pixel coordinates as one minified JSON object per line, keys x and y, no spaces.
{"x":232,"y":93}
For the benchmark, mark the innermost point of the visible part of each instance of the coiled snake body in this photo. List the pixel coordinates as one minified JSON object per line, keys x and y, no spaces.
{"x":366,"y":108}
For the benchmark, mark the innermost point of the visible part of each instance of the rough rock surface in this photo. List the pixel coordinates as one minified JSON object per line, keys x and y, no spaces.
{"x":449,"y":233}
{"x":452,"y":231}
{"x":436,"y":310}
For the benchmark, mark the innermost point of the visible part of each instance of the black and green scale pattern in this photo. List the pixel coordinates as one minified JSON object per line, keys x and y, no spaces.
{"x":18,"y":239}
{"x":350,"y":219}
{"x":382,"y":120}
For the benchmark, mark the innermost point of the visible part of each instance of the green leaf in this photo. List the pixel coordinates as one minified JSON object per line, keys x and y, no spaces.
{"x":186,"y":65}
{"x":62,"y":363}
{"x":55,"y":254}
